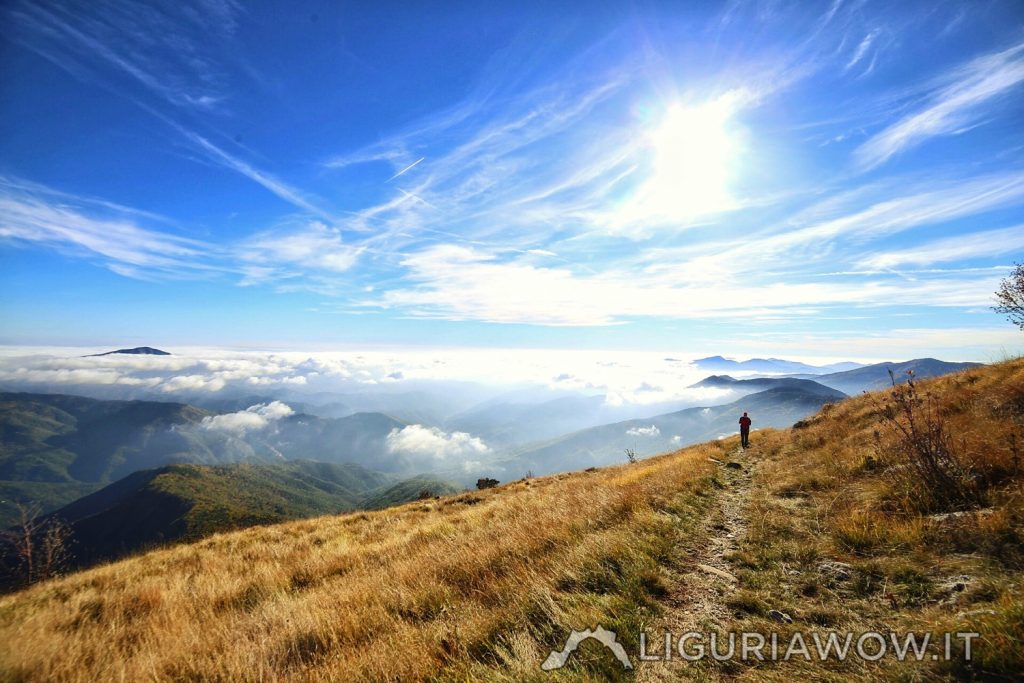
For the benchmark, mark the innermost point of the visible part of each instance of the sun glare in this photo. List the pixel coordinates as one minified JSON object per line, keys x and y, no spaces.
{"x":693,"y":152}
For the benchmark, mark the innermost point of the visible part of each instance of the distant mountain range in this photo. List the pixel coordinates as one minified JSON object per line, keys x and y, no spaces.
{"x":127,"y":474}
{"x":783,"y":402}
{"x":55,"y":448}
{"x":762,"y":383}
{"x":872,"y":377}
{"x":137,"y":351}
{"x":769,"y":365}
{"x":506,"y":421}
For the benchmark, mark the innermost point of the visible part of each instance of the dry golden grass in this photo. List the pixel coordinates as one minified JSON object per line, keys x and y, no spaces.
{"x":480,"y":584}
{"x":831,"y":491}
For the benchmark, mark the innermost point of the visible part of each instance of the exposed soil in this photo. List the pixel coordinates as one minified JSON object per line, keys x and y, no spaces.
{"x":699,"y":589}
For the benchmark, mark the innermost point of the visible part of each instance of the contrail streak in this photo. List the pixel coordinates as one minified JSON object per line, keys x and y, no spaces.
{"x":405,"y":169}
{"x":410,"y":195}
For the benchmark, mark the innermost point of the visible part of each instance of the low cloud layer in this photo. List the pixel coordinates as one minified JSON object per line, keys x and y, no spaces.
{"x":417,"y":386}
{"x":644,"y":431}
{"x":252,"y":418}
{"x":431,"y":442}
{"x":631,"y":379}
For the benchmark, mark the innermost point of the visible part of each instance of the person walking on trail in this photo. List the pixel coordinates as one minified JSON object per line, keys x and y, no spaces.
{"x":744,"y":431}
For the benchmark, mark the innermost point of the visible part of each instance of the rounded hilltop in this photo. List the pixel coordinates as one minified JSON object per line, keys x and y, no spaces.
{"x":137,"y":351}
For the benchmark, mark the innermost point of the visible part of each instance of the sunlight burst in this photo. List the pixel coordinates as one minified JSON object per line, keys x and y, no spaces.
{"x":693,"y":153}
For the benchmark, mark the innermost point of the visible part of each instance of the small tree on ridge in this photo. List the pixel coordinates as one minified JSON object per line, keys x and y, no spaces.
{"x":1010,"y":296}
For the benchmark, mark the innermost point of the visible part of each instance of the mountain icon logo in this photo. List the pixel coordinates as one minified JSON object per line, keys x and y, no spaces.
{"x":557,"y":659}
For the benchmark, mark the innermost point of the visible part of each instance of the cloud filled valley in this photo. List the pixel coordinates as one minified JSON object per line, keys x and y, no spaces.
{"x":459,"y":414}
{"x":398,"y":382}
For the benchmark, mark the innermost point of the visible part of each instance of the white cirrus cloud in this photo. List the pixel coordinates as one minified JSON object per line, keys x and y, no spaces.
{"x":432,"y":442}
{"x":35,"y":214}
{"x":862,"y":49}
{"x":278,"y":187}
{"x":458,"y":283}
{"x":984,"y":244}
{"x":170,"y":51}
{"x":954,"y":106}
{"x":314,"y":246}
{"x":252,"y":418}
{"x":141,"y":245}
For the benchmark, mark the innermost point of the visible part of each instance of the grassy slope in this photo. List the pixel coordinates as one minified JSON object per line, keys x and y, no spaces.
{"x":56,"y":448}
{"x":240,"y":495}
{"x":831,"y":492}
{"x":190,"y":502}
{"x":414,"y":488}
{"x":193,"y":501}
{"x":480,"y":586}
{"x":465,"y":584}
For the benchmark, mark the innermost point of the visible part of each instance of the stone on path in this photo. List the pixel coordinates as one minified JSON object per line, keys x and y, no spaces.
{"x":721,"y":573}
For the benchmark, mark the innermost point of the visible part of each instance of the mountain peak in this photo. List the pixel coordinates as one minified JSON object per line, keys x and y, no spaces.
{"x":137,"y":351}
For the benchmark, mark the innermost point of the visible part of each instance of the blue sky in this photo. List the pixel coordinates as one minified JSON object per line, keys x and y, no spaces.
{"x":834,"y":179}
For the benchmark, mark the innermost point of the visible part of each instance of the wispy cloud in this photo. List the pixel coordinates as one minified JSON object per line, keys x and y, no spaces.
{"x":280,"y":188}
{"x":291,"y":253}
{"x":31,"y":214}
{"x":842,"y":225}
{"x":571,"y":154}
{"x":952,"y":106}
{"x":983,"y":244}
{"x":931,"y":202}
{"x":862,"y":49}
{"x":125,"y":241}
{"x":502,"y":165}
{"x":787,"y":269}
{"x":169,"y":51}
{"x":456,"y":283}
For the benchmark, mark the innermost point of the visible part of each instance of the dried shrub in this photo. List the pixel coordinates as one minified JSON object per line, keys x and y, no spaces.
{"x":921,"y":457}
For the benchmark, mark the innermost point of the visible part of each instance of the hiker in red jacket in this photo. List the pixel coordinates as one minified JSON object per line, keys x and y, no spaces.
{"x":744,"y":431}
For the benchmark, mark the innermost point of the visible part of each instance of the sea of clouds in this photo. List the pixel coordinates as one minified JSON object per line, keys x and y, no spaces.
{"x":251,"y":392}
{"x":641,"y":378}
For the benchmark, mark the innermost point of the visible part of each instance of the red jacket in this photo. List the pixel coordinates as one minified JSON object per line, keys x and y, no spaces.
{"x":745,"y":422}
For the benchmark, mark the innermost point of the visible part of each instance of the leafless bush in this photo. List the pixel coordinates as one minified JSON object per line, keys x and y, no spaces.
{"x":631,"y":455}
{"x":1010,"y":296}
{"x":922,"y":457}
{"x":35,"y":549}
